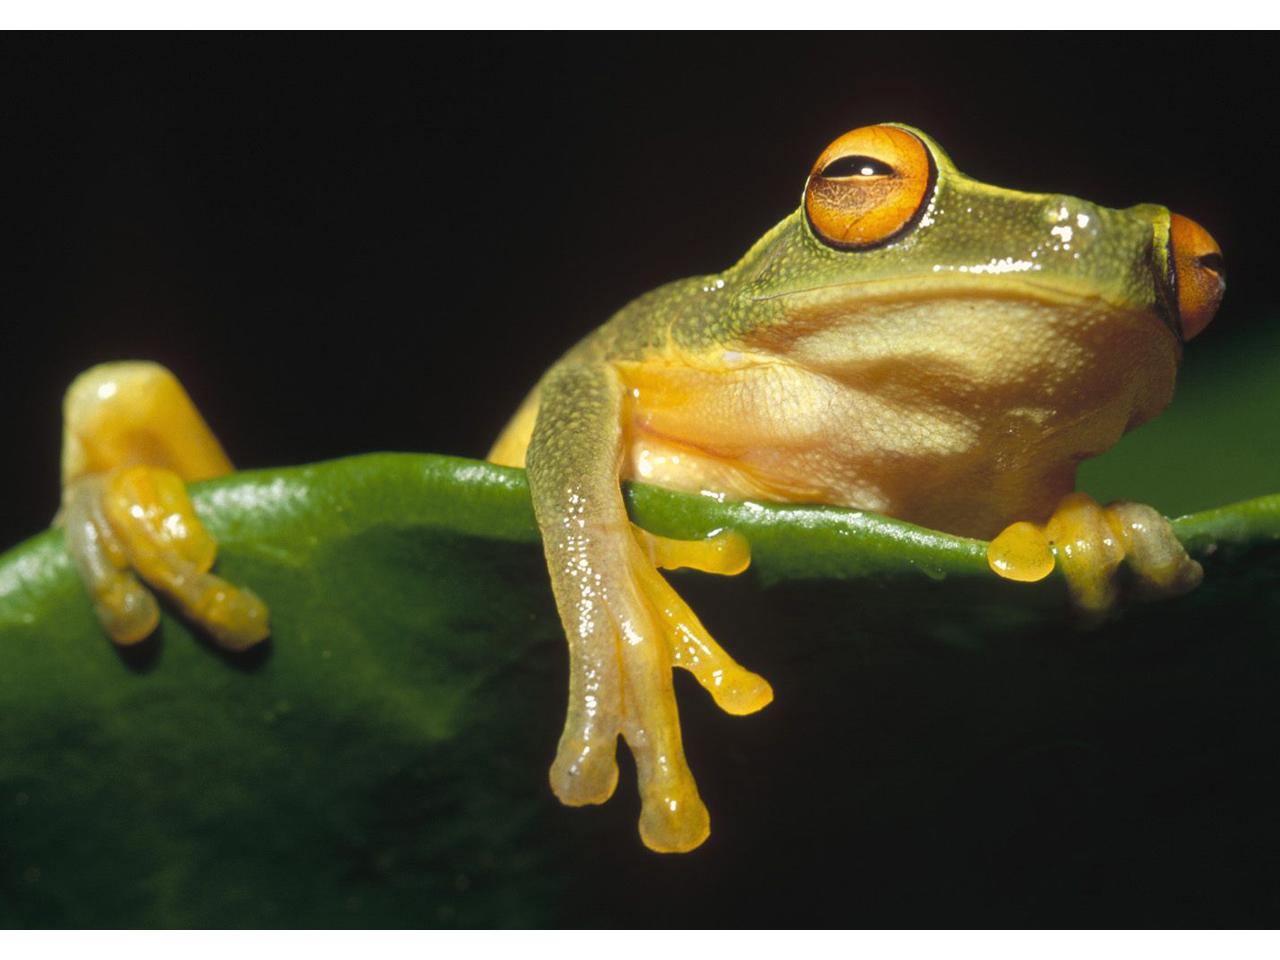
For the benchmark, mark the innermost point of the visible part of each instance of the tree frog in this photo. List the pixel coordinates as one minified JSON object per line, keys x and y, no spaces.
{"x":909,"y":341}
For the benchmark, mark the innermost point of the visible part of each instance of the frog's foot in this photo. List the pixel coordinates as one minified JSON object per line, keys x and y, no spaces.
{"x":138,"y":522}
{"x":620,"y":682}
{"x":1091,"y":542}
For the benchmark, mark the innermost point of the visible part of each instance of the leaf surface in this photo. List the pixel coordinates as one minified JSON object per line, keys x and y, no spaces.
{"x":382,"y":760}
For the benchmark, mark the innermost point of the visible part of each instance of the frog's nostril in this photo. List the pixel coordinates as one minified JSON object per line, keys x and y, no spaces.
{"x":1198,"y":272}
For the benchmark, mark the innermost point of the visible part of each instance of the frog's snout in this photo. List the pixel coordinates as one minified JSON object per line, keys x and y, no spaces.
{"x":1199,"y":278}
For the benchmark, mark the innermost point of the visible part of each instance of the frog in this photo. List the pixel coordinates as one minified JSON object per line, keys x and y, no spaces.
{"x":909,"y":341}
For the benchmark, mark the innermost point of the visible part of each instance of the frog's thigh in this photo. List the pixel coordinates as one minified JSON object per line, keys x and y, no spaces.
{"x":131,"y":438}
{"x":1091,"y":542}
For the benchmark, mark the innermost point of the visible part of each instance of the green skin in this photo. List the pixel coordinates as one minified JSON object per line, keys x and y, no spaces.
{"x":977,"y":356}
{"x":1119,"y":267}
{"x":974,"y":223}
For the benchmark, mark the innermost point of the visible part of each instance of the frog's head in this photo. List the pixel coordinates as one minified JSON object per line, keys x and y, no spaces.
{"x":900,"y":270}
{"x":886,"y":214}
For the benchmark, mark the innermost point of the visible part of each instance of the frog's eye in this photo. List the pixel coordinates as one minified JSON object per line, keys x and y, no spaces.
{"x":867,"y":187}
{"x":1198,"y":274}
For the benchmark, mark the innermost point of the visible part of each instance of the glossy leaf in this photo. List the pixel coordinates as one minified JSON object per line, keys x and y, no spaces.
{"x":382,"y":761}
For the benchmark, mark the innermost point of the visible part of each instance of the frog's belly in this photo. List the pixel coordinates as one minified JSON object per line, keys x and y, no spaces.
{"x":952,"y":460}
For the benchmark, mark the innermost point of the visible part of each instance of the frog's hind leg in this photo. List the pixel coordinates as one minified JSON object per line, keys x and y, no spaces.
{"x":132,"y":439}
{"x":626,"y":627}
{"x":1091,"y":543}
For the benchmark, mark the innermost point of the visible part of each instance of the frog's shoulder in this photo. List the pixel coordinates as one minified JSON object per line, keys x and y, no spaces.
{"x":646,"y":325}
{"x":695,"y":312}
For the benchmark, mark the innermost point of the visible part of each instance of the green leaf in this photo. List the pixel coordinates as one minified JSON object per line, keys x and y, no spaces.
{"x":382,"y":760}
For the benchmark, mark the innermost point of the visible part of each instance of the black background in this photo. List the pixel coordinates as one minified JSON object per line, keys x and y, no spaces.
{"x":356,"y":243}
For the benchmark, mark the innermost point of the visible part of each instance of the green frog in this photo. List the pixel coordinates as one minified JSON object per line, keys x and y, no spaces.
{"x":909,"y":341}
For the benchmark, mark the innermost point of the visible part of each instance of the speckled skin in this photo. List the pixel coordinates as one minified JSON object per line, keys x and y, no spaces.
{"x":953,"y":376}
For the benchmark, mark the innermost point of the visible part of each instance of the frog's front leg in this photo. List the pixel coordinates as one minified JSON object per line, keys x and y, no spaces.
{"x":1091,"y":543}
{"x":132,"y":439}
{"x":625,"y":625}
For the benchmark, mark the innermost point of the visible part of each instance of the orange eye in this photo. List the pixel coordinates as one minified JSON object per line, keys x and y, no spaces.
{"x":867,"y":187}
{"x":1198,"y":271}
